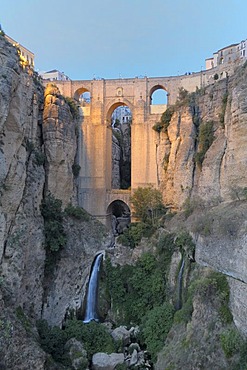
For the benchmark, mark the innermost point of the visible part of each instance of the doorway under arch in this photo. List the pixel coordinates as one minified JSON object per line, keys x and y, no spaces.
{"x":119,"y":216}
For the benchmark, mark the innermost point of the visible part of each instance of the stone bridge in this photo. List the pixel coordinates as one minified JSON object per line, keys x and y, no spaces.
{"x":95,"y":137}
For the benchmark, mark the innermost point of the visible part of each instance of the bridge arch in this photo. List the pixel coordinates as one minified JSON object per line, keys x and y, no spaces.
{"x":115,"y":104}
{"x":78,"y":92}
{"x":154,"y":89}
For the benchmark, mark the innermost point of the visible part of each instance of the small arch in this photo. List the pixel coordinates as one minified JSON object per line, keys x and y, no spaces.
{"x":158,"y":95}
{"x":119,"y":216}
{"x":82,"y":95}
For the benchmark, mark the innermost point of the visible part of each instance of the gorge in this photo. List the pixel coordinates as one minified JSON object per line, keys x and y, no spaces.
{"x":48,"y":243}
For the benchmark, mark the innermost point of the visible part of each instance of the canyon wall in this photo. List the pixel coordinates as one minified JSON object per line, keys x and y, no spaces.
{"x":38,"y":144}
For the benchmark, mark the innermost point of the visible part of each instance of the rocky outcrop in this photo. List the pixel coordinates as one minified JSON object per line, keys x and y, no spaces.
{"x":103,"y":361}
{"x":66,"y":292}
{"x":195,"y":344}
{"x":223,"y":169}
{"x":22,"y":179}
{"x":60,"y":143}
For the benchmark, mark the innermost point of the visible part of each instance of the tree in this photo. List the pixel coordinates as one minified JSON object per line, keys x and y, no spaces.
{"x":148,"y":204}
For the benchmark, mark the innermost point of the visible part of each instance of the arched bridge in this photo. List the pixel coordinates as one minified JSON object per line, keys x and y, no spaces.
{"x":95,"y":146}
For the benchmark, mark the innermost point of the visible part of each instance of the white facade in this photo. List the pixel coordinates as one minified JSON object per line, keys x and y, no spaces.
{"x":122,"y":114}
{"x":228,"y":54}
{"x":54,"y":75}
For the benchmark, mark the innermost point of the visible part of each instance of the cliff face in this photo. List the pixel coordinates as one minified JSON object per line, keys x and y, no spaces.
{"x":60,"y":142}
{"x":38,"y":146}
{"x":37,"y":151}
{"x":223,"y":169}
{"x":214,"y":187}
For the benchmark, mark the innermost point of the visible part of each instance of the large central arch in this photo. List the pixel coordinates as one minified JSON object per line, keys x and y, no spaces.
{"x":120,"y":148}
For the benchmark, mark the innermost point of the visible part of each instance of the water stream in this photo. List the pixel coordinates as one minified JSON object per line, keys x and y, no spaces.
{"x":91,"y":301}
{"x":180,"y":285}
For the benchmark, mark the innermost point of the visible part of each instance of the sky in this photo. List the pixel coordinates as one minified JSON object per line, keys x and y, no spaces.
{"x":89,"y":39}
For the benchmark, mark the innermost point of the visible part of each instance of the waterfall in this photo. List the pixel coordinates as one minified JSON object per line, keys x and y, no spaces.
{"x":91,"y":301}
{"x":180,"y":284}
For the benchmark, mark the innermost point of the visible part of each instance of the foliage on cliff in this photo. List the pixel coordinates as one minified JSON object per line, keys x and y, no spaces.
{"x":205,"y":140}
{"x":51,"y":210}
{"x":95,"y":338}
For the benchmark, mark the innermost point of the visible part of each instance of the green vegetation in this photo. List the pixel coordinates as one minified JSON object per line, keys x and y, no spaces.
{"x":184,"y":241}
{"x":133,"y":235}
{"x":230,"y":341}
{"x":26,"y":323}
{"x":165,"y":120}
{"x":94,"y":336}
{"x":74,"y":110}
{"x":148,"y":205}
{"x":155,"y":327}
{"x":214,"y":284}
{"x":76,"y":169}
{"x":77,"y":212}
{"x":134,"y":290}
{"x":205,"y":140}
{"x":183,"y":98}
{"x":51,"y":210}
{"x":39,"y":157}
{"x":223,"y":109}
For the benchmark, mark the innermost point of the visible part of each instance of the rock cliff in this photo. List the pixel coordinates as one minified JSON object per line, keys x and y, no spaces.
{"x":221,"y":173}
{"x":38,"y":145}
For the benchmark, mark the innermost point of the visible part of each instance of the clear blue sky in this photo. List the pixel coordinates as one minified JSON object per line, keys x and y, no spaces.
{"x":108,"y":38}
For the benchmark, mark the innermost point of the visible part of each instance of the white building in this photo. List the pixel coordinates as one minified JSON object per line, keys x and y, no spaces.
{"x":122,"y":114}
{"x":54,"y":75}
{"x":228,"y":54}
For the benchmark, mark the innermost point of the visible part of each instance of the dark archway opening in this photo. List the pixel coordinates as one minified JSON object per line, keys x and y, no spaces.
{"x":119,"y":213}
{"x":121,"y":119}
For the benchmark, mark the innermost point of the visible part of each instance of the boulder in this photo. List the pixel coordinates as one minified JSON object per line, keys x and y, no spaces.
{"x":121,"y":333}
{"x":77,"y":354}
{"x":103,"y":361}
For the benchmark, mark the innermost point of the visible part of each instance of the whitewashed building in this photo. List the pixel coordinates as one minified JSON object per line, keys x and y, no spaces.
{"x":54,"y":75}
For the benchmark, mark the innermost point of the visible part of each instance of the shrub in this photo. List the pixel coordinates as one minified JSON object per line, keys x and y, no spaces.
{"x":51,"y":210}
{"x":133,"y":235}
{"x":23,"y":319}
{"x":148,"y":204}
{"x":184,"y":241}
{"x":39,"y":158}
{"x":52,"y":340}
{"x":136,"y":289}
{"x":94,"y":337}
{"x":230,"y":341}
{"x":205,"y":140}
{"x":165,"y":120}
{"x":155,"y":327}
{"x":73,"y":107}
{"x":223,"y":109}
{"x":183,"y":97}
{"x":76,"y":169}
{"x":77,"y":212}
